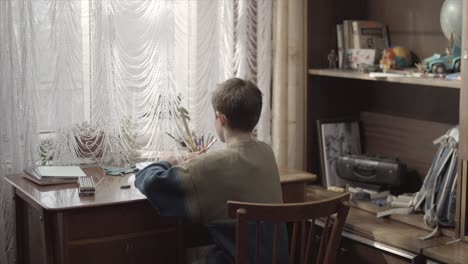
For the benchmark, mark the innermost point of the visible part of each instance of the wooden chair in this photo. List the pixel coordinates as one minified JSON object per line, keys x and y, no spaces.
{"x":299,"y":214}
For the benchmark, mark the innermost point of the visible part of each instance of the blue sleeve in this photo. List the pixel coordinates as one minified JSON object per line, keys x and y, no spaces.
{"x":160,"y":182}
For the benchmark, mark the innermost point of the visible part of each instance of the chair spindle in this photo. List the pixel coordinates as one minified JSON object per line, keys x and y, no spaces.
{"x":292,"y":252}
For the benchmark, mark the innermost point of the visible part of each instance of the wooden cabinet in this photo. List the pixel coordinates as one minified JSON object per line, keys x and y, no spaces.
{"x":129,"y":233}
{"x":400,"y":117}
{"x":122,"y":233}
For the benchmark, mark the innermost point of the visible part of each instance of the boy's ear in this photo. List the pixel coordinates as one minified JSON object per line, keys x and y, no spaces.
{"x":222,"y":119}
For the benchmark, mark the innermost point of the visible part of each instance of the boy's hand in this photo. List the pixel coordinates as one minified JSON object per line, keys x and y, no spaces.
{"x":171,"y":159}
{"x":192,"y":155}
{"x":174,"y":161}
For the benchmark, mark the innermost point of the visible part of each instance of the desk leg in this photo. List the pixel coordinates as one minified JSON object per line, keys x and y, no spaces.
{"x":33,"y":232}
{"x":19,"y":218}
{"x":46,"y":236}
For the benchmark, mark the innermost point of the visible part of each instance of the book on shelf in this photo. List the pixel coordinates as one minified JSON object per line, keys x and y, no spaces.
{"x":369,"y":35}
{"x":347,"y":35}
{"x":340,"y":51}
{"x":48,"y":175}
{"x":402,"y":201}
{"x":361,"y":35}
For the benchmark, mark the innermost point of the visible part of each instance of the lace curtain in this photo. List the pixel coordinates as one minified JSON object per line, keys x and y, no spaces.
{"x":104,"y":79}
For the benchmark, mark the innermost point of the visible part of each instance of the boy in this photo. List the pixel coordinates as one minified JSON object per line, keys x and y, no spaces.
{"x":245,"y":170}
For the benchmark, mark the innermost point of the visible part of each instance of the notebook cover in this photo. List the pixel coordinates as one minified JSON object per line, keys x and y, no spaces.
{"x":47,"y":181}
{"x":60,"y":171}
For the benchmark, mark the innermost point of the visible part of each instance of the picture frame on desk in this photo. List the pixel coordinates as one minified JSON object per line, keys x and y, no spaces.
{"x":336,"y":137}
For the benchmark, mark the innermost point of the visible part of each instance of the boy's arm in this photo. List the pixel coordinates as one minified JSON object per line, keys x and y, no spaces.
{"x":162,"y":184}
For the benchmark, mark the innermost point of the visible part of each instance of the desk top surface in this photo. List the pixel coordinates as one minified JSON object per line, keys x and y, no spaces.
{"x":390,"y":232}
{"x":456,"y":253}
{"x":108,"y":189}
{"x":384,"y":230}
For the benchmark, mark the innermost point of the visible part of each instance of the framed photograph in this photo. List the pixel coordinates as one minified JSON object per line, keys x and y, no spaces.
{"x":355,"y":57}
{"x":337,"y":137}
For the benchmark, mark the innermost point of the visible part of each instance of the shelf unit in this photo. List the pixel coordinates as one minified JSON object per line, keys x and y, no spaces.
{"x":350,"y":74}
{"x":400,"y":116}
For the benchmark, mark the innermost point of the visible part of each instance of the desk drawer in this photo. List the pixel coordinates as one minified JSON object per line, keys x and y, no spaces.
{"x":113,"y":220}
{"x":114,"y":252}
{"x":354,"y":252}
{"x":143,"y":249}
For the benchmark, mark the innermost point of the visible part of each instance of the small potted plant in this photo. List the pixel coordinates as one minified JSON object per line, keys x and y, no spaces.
{"x":89,"y":140}
{"x":46,"y":151}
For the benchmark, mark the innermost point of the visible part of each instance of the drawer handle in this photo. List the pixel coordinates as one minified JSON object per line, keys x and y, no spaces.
{"x":127,"y":248}
{"x":343,"y":251}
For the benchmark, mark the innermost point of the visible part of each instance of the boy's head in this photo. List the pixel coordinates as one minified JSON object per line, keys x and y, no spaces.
{"x":237,"y":104}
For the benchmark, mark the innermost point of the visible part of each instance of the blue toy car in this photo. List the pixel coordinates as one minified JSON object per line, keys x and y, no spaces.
{"x":439,"y":64}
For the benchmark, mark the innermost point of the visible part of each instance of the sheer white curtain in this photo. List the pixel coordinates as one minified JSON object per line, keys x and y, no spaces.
{"x":103,"y":78}
{"x":17,"y":119}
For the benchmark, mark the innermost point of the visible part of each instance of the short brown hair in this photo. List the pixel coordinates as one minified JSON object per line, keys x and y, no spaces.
{"x":240,"y":101}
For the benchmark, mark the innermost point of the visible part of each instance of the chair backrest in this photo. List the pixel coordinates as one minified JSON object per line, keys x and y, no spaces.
{"x":303,"y":216}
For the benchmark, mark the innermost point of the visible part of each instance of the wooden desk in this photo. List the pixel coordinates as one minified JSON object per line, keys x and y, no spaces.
{"x":293,"y":183}
{"x":56,"y":225}
{"x":367,"y":239}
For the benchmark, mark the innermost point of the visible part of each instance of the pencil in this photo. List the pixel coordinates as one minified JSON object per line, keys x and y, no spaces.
{"x":209,"y":145}
{"x":171,"y":136}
